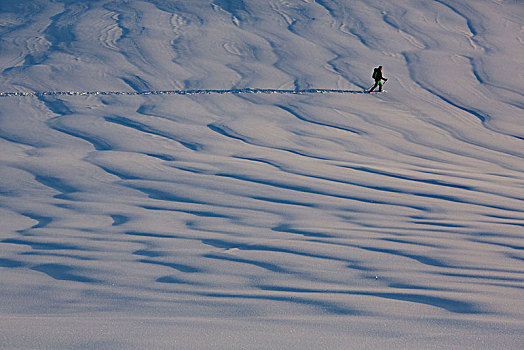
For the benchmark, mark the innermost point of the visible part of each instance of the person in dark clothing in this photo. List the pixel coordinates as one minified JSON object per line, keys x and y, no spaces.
{"x":377,"y":75}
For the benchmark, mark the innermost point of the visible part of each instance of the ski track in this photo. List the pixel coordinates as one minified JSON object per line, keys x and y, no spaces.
{"x":133,"y":193}
{"x":181,"y":92}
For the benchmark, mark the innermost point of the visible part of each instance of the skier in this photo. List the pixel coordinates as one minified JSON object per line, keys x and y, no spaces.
{"x":377,"y":75}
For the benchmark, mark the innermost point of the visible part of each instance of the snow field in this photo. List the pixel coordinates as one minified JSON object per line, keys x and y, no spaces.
{"x":196,"y":175}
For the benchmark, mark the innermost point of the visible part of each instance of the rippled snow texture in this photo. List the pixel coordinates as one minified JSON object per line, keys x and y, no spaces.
{"x":209,"y":174}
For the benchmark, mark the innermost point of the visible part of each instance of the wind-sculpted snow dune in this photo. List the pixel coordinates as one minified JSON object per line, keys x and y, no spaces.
{"x":209,"y":174}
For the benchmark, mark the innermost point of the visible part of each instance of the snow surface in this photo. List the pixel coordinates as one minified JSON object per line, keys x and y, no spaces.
{"x":209,"y":175}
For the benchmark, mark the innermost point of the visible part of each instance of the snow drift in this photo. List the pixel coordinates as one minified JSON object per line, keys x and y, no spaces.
{"x":210,"y":174}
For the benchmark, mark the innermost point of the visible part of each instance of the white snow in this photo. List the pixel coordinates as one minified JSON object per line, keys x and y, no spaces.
{"x":210,"y":175}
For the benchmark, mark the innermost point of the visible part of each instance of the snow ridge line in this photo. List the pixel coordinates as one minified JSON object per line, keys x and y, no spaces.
{"x":181,"y":92}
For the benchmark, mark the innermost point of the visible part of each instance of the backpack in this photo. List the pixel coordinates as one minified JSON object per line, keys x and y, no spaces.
{"x":375,"y":73}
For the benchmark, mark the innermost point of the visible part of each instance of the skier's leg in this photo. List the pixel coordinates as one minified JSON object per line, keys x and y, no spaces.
{"x":380,"y":86}
{"x":374,"y":86}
